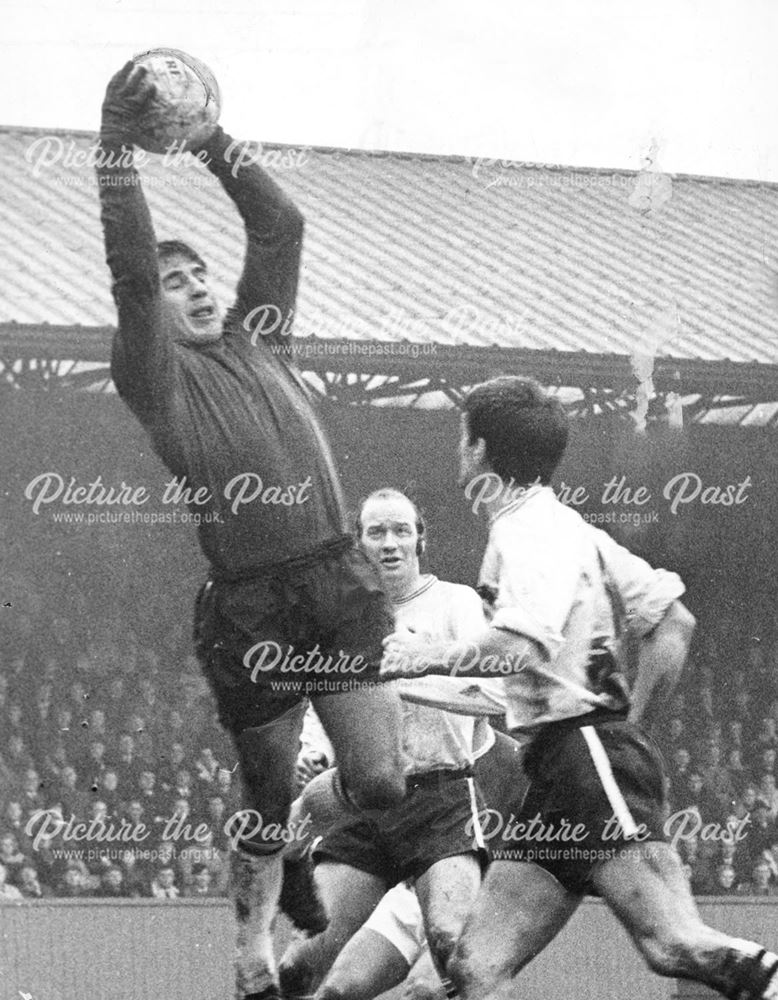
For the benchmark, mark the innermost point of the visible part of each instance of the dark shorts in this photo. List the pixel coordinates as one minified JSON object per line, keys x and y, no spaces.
{"x":596,"y":788}
{"x":438,"y":819}
{"x":305,"y":628}
{"x":500,"y":776}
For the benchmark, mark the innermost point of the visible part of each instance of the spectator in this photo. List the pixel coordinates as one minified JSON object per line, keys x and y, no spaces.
{"x":226,"y":788}
{"x":726,"y":877}
{"x":108,"y":790}
{"x":704,"y":867}
{"x":679,"y":773}
{"x":54,"y":760}
{"x":179,"y":816}
{"x":697,"y":796}
{"x":112,"y":884}
{"x":766,"y":761}
{"x":761,"y":883}
{"x":8,"y":893}
{"x":201,"y":887}
{"x":30,"y":885}
{"x":127,"y":766}
{"x":147,"y":793}
{"x":95,"y":765}
{"x":97,"y":725}
{"x":767,"y":794}
{"x":761,"y":833}
{"x":771,"y":856}
{"x":135,"y":816}
{"x":63,"y":726}
{"x":163,"y":886}
{"x":205,"y":766}
{"x":50,"y":867}
{"x":11,"y":857}
{"x":177,"y":728}
{"x":31,"y":795}
{"x":746,"y":801}
{"x":134,"y":876}
{"x":216,"y":817}
{"x":14,"y":821}
{"x":182,"y":787}
{"x":71,"y":884}
{"x":74,"y":802}
{"x":736,"y":769}
{"x":148,"y":705}
{"x":98,"y":813}
{"x":203,"y":852}
{"x":145,"y":750}
{"x":717,"y":782}
{"x":171,"y":764}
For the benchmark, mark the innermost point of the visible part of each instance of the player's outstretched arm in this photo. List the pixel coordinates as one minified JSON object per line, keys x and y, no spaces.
{"x":661,"y":658}
{"x":141,"y":352}
{"x":274,"y":231}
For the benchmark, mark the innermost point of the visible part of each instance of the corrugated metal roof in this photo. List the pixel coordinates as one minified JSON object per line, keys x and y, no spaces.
{"x":432,"y":249}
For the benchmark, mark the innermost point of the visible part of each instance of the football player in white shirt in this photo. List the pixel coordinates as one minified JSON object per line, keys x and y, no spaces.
{"x":592,"y":820}
{"x":434,"y":838}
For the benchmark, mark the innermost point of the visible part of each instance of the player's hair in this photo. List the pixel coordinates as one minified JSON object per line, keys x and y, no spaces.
{"x":172,"y":248}
{"x":524,"y":428}
{"x":390,"y":493}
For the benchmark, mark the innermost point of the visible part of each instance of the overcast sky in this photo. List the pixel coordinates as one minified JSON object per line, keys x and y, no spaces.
{"x":578,"y":82}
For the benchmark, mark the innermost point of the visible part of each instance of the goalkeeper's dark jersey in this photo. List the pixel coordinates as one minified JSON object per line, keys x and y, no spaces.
{"x":230,"y":408}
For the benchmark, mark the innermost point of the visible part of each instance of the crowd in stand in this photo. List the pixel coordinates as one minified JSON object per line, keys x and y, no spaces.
{"x":721,"y":746}
{"x":116,"y":779}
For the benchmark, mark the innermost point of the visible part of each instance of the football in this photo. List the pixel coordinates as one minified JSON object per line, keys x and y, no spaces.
{"x":187,"y":103}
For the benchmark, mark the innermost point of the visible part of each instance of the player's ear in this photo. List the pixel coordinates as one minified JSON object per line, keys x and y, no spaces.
{"x":421,"y":543}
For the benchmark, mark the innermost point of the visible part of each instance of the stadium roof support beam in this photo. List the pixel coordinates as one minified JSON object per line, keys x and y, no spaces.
{"x":605,"y":379}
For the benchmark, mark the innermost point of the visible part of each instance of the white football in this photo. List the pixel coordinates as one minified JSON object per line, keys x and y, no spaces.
{"x":187,"y":105}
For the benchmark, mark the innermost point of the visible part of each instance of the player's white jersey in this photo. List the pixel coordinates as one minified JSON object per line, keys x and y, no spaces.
{"x":432,"y":737}
{"x":550,"y":571}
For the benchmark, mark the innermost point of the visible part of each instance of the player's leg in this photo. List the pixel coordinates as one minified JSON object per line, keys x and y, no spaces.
{"x":518,"y":911}
{"x":447,"y":892}
{"x":267,"y":756}
{"x":381,"y":953}
{"x":349,"y":897}
{"x":647,"y":890}
{"x":313,"y":812}
{"x":363,"y":727}
{"x":423,"y":981}
{"x":364,"y":720}
{"x":369,"y":964}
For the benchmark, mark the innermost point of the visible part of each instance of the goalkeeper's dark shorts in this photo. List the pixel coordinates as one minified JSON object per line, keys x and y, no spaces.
{"x":304,"y":628}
